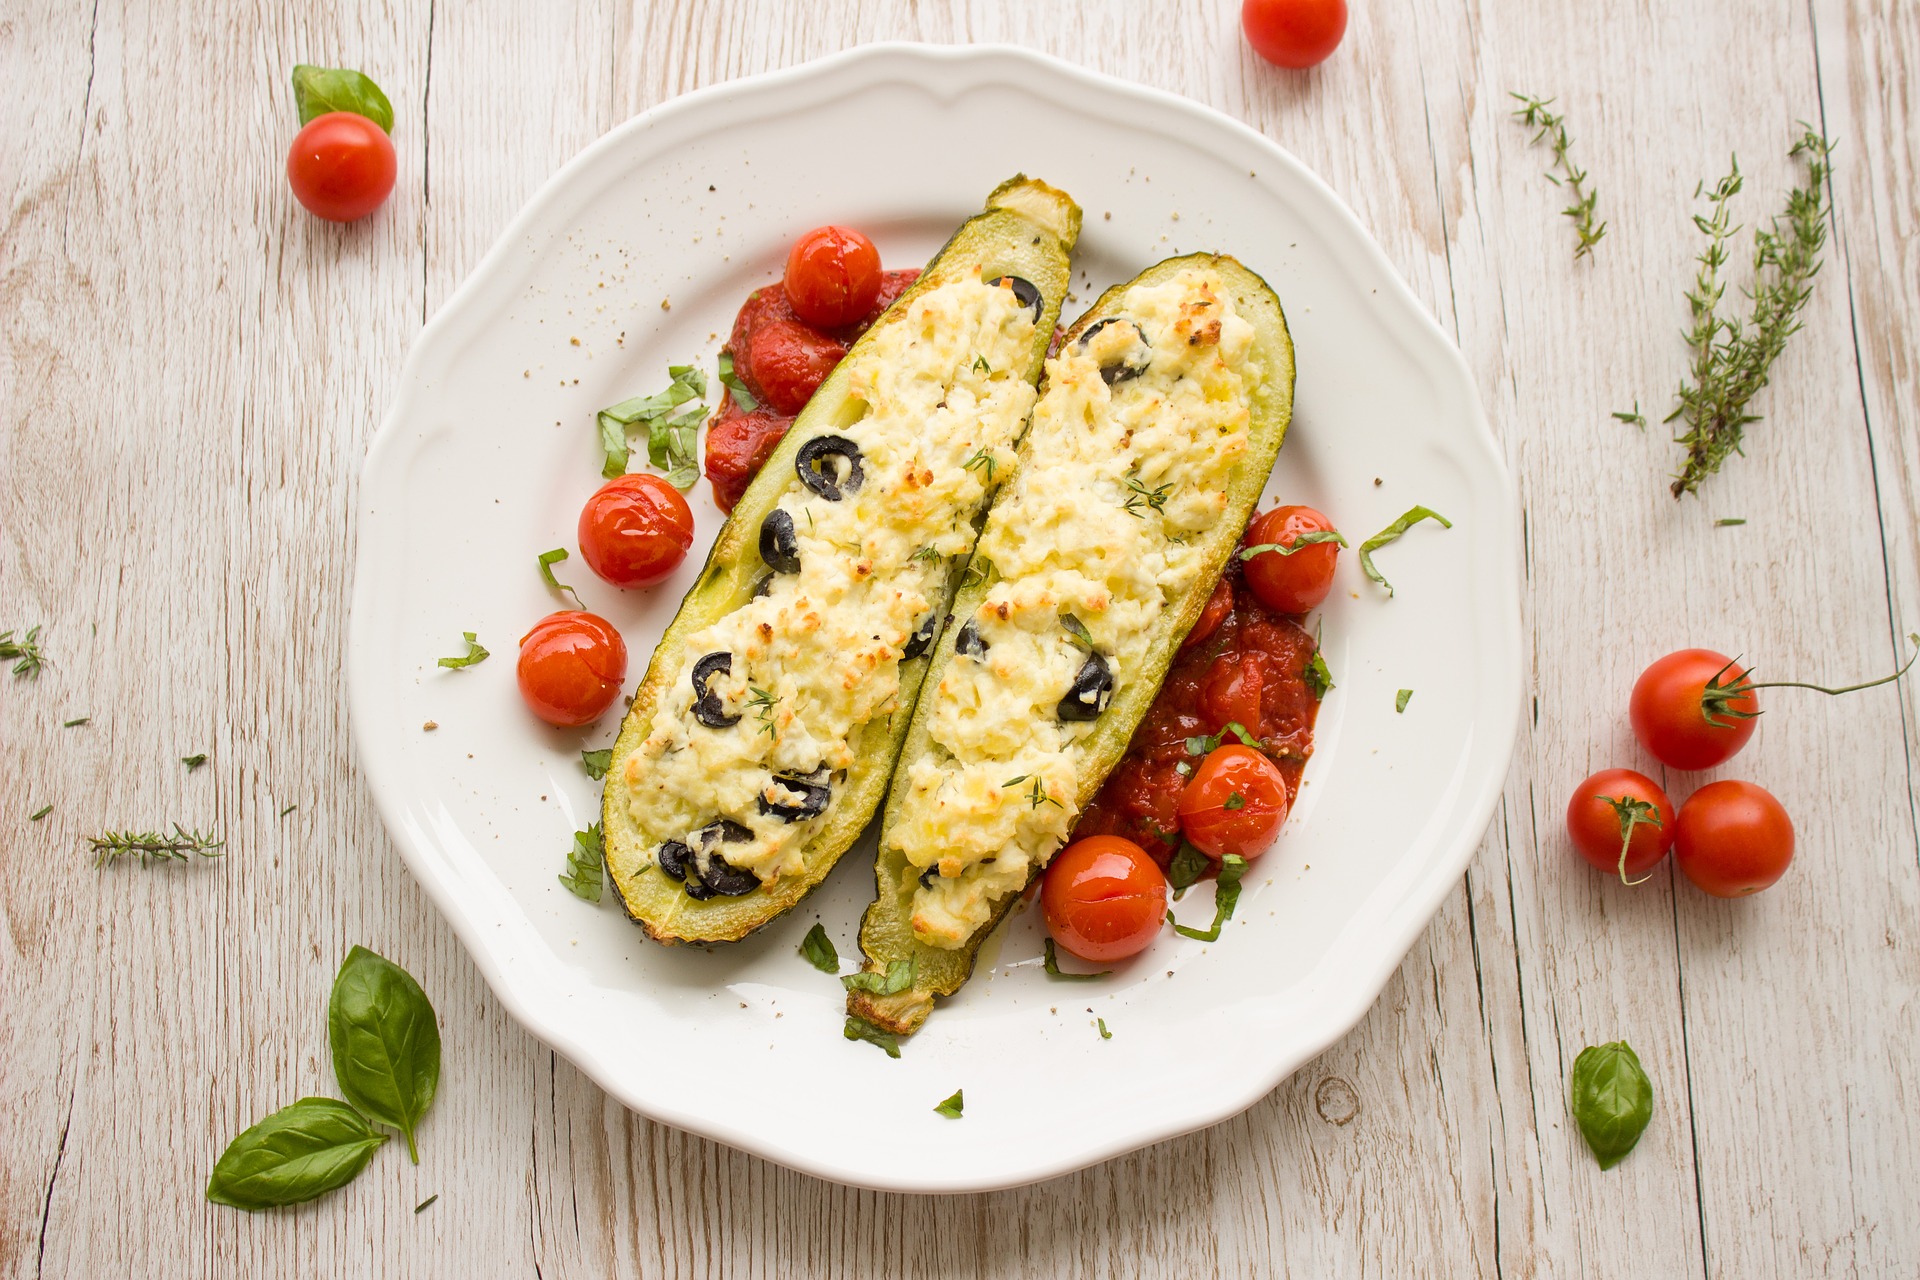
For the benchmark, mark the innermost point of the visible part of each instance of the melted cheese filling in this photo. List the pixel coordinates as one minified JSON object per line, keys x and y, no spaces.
{"x":818,"y":656}
{"x":1098,"y":523}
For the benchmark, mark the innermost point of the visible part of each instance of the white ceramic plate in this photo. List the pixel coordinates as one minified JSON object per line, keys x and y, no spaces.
{"x":490,"y":450}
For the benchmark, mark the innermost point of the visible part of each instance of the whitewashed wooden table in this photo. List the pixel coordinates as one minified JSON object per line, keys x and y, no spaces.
{"x":192,"y":367}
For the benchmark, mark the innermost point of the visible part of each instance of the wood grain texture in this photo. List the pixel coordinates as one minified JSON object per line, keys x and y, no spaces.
{"x":191,"y":369}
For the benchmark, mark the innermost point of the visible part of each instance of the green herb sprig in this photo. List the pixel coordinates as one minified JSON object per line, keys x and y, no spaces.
{"x":154,"y":846}
{"x":25,"y":651}
{"x":1141,"y":499}
{"x":1552,"y":127}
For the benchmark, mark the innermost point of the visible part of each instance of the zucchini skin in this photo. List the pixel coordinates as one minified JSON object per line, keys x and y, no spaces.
{"x":1027,"y":230}
{"x":886,"y":932}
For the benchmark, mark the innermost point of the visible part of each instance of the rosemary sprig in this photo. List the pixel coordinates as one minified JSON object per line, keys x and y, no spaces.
{"x":25,"y":651}
{"x":1553,"y":127}
{"x":153,"y":846}
{"x":1732,"y":358}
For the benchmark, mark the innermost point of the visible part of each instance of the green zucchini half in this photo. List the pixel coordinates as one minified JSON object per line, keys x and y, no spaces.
{"x":1027,"y":232}
{"x":887,"y":935}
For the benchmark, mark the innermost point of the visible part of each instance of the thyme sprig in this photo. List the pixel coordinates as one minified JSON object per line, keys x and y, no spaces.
{"x":1552,"y":127}
{"x":1143,"y":499}
{"x":25,"y":651}
{"x":154,"y":846}
{"x":763,"y":702}
{"x":1733,"y":358}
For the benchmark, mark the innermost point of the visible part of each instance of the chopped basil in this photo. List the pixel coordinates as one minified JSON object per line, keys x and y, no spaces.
{"x":596,"y":763}
{"x":586,"y":865}
{"x":673,"y":434}
{"x":952,"y":1107}
{"x":1234,"y":801}
{"x":734,"y":385}
{"x":1201,"y":746}
{"x":194,"y":761}
{"x":548,"y":559}
{"x":1186,"y":867}
{"x":1400,"y":701}
{"x":289,"y":809}
{"x":897,"y":978}
{"x":817,"y":947}
{"x":473,"y":655}
{"x":1055,"y":971}
{"x":1312,"y":538}
{"x":1104,"y":1033}
{"x":861,"y":1029}
{"x":76,"y":722}
{"x":1727,"y":522}
{"x":424,"y":1203}
{"x":1226,"y":896}
{"x":1077,"y":629}
{"x":1318,"y":679}
{"x":1413,"y":516}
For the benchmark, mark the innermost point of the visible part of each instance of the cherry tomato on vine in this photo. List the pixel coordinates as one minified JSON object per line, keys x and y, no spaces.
{"x":1294,"y":33}
{"x":1212,"y":614}
{"x":1691,"y":709}
{"x":341,"y":166}
{"x":571,"y":665}
{"x":1293,"y":581}
{"x":833,"y":277}
{"x":789,"y":362}
{"x":1104,"y":898}
{"x":1732,"y":839}
{"x":635,"y":530}
{"x":1621,"y":822}
{"x":1236,"y":802}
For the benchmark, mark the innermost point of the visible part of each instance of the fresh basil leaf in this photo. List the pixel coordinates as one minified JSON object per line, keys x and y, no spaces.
{"x":1316,"y":677}
{"x":1612,"y":1100}
{"x":861,"y":1029}
{"x":1077,"y":629}
{"x":1055,"y":971}
{"x":596,"y":763}
{"x":817,"y":947}
{"x":300,"y":1151}
{"x":586,"y":863}
{"x":1413,"y":517}
{"x":475,"y":654}
{"x":318,"y":90}
{"x":1310,"y":539}
{"x":1226,"y":896}
{"x":953,"y":1106}
{"x":548,"y":559}
{"x":1400,"y":701}
{"x":1187,"y":866}
{"x":897,"y":978}
{"x":386,"y":1044}
{"x":735,"y":386}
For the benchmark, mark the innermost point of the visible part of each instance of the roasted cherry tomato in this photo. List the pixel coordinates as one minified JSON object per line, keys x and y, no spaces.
{"x":341,"y":166}
{"x":571,"y":666}
{"x":1688,"y":711}
{"x":635,"y":530}
{"x":1299,"y":580}
{"x":1236,"y":802}
{"x":1104,"y":898}
{"x":833,"y":277}
{"x":1614,"y":801}
{"x":1230,"y":692}
{"x":790,"y":361}
{"x":1215,"y":612}
{"x":1732,"y":839}
{"x":737,"y":447}
{"x":1294,"y":33}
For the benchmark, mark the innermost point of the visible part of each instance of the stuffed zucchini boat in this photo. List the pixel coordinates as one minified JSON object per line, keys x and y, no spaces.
{"x":761,"y":740}
{"x":1155,"y":431}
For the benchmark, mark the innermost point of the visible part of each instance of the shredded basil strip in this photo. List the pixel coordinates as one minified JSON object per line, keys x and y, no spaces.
{"x":1055,"y":971}
{"x":585,"y":876}
{"x":897,"y":978}
{"x":1104,"y":1033}
{"x":1310,"y":539}
{"x":548,"y":559}
{"x":1186,"y":867}
{"x":952,"y":1107}
{"x":817,"y":947}
{"x":1077,"y":629}
{"x":1413,"y":516}
{"x":861,"y":1029}
{"x":1226,"y":896}
{"x":673,"y":438}
{"x":474,"y":654}
{"x":1316,"y":677}
{"x":1400,"y":701}
{"x":736,"y":387}
{"x":597,"y":763}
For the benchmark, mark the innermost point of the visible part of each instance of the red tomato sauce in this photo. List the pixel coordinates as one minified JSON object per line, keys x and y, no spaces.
{"x":1250,"y":671}
{"x":793,"y":358}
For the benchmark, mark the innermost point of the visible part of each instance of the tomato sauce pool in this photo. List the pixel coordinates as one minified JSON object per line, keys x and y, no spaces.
{"x":1249,"y":670}
{"x":780,"y":359}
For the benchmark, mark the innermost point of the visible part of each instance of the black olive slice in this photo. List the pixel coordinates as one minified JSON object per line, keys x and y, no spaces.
{"x":673,"y":858}
{"x":722,"y":829}
{"x":779,"y":546}
{"x":722,"y":877}
{"x":1025,"y":290}
{"x":817,"y":464}
{"x":1092,"y":690}
{"x":928,"y":876}
{"x":695,"y":889}
{"x":1122,"y":369}
{"x":815,"y":792}
{"x":707,"y":707}
{"x":764,"y":586}
{"x":922,"y":638}
{"x":711,"y":873}
{"x":969,"y":642}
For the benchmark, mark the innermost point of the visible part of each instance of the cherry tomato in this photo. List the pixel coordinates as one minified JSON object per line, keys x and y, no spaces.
{"x":341,"y":166}
{"x":1104,"y":898}
{"x":1594,"y":821}
{"x":1236,"y":802}
{"x":1733,"y":838}
{"x":1230,"y":692}
{"x":1299,"y":580}
{"x":737,"y":447}
{"x":571,"y":666}
{"x":833,"y":277}
{"x":1684,"y":723}
{"x":1215,"y":612}
{"x":635,"y":530}
{"x":1294,"y":33}
{"x":790,"y":361}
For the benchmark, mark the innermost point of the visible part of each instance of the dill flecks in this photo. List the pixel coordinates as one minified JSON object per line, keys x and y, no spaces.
{"x":153,"y":846}
{"x":1731,"y":357}
{"x":1551,"y":127}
